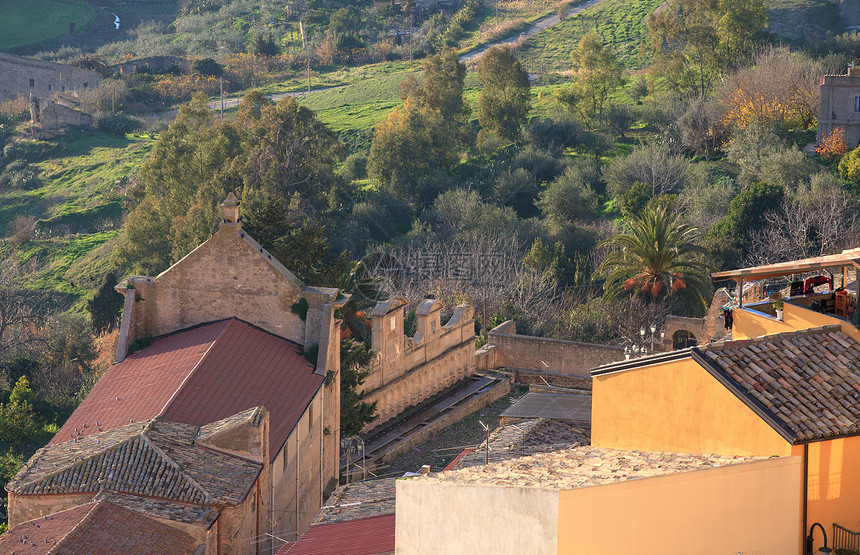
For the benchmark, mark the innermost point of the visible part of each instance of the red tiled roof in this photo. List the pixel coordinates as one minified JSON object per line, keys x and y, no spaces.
{"x":111,"y":529}
{"x":201,"y":375}
{"x":366,"y":536}
{"x":140,"y":387}
{"x":95,"y":528}
{"x":41,"y":535}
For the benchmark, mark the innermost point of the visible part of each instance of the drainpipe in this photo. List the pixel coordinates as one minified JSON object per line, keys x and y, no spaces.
{"x":805,"y":494}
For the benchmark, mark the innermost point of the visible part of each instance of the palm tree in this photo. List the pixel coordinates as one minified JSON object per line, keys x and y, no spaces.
{"x":658,"y":260}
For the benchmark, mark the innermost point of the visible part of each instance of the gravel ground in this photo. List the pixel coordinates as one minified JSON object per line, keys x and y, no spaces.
{"x":447,"y":444}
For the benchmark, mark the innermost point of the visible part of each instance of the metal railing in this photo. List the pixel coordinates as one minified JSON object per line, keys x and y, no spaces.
{"x":843,"y":538}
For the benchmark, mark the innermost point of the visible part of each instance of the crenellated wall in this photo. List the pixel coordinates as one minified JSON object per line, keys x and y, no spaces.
{"x":409,"y":370}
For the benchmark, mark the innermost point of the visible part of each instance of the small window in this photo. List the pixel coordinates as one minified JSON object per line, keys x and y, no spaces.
{"x":857,"y":103}
{"x":85,"y":84}
{"x":32,"y":82}
{"x":50,"y":86}
{"x":63,"y":88}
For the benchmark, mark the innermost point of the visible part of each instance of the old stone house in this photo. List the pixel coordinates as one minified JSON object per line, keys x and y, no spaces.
{"x":223,"y":333}
{"x":839,"y":106}
{"x":20,"y":76}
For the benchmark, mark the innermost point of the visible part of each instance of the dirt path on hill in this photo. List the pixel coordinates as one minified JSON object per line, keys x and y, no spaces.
{"x":539,"y":25}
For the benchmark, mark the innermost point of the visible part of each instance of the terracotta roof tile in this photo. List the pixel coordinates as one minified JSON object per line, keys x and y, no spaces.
{"x":96,"y":528}
{"x":366,"y":536}
{"x":41,"y":535}
{"x":199,"y":376}
{"x":111,"y":529}
{"x":157,"y":459}
{"x":808,"y":380}
{"x":170,"y":510}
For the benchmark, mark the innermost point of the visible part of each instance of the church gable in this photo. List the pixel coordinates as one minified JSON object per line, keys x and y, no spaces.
{"x":229,"y":275}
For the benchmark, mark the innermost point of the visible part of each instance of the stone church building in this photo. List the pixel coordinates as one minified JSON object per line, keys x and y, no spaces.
{"x":212,"y":422}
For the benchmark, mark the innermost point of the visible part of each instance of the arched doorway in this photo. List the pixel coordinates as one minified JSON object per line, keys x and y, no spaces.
{"x":682,"y":339}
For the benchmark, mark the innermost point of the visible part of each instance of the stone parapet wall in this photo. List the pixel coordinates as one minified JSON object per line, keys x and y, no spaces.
{"x":550,"y":355}
{"x":409,"y":370}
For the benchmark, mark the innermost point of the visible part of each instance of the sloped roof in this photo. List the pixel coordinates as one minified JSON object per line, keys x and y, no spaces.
{"x":153,"y":459}
{"x":198,"y":515}
{"x":805,"y":384}
{"x":96,"y":528}
{"x":808,"y":380}
{"x":201,"y":375}
{"x":366,"y":536}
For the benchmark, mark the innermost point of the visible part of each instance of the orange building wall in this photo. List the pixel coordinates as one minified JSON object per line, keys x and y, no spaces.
{"x":744,"y":508}
{"x":834,"y":482}
{"x":676,"y":406}
{"x":748,"y":324}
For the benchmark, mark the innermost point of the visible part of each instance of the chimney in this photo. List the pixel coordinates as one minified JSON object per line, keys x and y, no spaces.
{"x":230,"y":208}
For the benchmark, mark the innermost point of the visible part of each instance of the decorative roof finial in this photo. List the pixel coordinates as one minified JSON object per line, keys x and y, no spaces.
{"x":230,"y":208}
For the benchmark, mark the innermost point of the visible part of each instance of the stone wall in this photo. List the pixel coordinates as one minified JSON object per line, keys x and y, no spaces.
{"x":21,"y":76}
{"x":57,"y":116}
{"x":409,"y":370}
{"x":22,"y":508}
{"x":551,"y":355}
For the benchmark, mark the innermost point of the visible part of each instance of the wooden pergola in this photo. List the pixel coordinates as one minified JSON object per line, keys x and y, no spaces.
{"x":846,"y":259}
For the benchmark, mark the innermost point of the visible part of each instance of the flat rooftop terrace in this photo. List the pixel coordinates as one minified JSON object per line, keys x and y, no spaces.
{"x":585,"y":466}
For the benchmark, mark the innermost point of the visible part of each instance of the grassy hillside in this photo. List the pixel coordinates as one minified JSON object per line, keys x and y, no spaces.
{"x":25,"y":22}
{"x":797,"y":20}
{"x":354,"y":109}
{"x":621,"y":23}
{"x":78,"y":209}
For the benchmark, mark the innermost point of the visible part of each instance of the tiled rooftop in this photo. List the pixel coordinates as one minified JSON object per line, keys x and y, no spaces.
{"x":202,"y":375}
{"x":180,"y":512}
{"x":807,"y":381}
{"x":358,"y":500}
{"x":156,"y":459}
{"x":579,"y":467}
{"x":97,"y":528}
{"x":524,"y":438}
{"x":366,"y":536}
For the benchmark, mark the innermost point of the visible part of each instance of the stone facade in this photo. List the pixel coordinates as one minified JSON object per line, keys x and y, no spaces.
{"x":839,"y":106}
{"x":231,"y":275}
{"x":409,"y":370}
{"x":21,"y":76}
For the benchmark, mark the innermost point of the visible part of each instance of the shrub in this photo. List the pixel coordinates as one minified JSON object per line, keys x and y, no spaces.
{"x":833,"y":145}
{"x":355,"y":166}
{"x":23,"y":229}
{"x":207,"y":66}
{"x":118,"y":124}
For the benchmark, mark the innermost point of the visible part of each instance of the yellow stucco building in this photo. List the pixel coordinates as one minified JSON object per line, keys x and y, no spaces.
{"x":784,"y":386}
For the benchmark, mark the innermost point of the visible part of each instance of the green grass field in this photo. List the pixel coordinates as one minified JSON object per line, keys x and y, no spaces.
{"x":354,"y":109}
{"x":25,"y":22}
{"x":621,"y":23}
{"x":78,"y":209}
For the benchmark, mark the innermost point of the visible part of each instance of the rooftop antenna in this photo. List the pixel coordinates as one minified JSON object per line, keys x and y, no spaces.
{"x":487,"y":430}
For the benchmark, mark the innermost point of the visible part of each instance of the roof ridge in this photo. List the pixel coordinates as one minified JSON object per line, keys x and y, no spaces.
{"x":150,"y":443}
{"x":87,"y":518}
